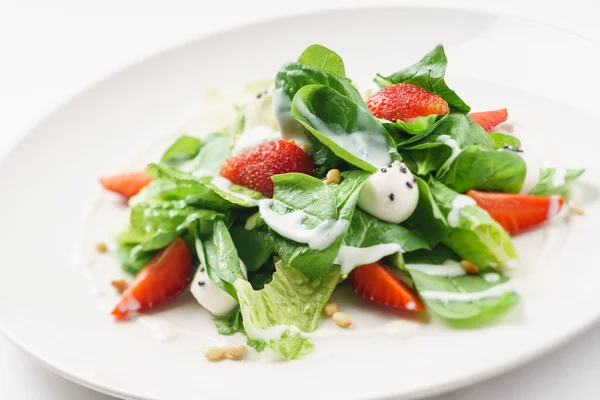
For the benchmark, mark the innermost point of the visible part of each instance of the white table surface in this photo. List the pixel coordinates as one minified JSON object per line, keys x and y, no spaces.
{"x":51,"y":50}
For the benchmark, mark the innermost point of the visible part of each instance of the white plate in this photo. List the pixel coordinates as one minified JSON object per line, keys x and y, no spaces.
{"x":544,"y":76}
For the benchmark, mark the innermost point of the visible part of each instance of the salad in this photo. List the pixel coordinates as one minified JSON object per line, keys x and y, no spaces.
{"x":404,"y":194}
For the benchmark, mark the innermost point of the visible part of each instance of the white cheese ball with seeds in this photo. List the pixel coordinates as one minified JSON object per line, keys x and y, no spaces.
{"x":390,"y":194}
{"x":210,"y":296}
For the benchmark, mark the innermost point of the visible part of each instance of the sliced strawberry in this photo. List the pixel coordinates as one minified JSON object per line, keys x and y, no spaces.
{"x":128,"y":184}
{"x":375,"y":282}
{"x":490,"y":119}
{"x":516,"y":212}
{"x":404,"y":101}
{"x":165,"y":277}
{"x":254,"y":167}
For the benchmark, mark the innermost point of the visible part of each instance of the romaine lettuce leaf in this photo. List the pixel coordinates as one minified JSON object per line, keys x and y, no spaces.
{"x":170,"y":216}
{"x":474,"y":235}
{"x":349,"y":130}
{"x":213,"y":191}
{"x":555,"y":181}
{"x":173,"y":184}
{"x":321,"y":57}
{"x":286,"y":310}
{"x":429,"y":74}
{"x":482,"y":169}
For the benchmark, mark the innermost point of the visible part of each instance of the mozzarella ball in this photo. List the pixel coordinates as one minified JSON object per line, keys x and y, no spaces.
{"x":210,"y":296}
{"x":390,"y":194}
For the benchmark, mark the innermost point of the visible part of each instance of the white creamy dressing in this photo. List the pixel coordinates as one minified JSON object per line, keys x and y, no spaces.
{"x":505,"y":127}
{"x":365,"y":145}
{"x":350,"y":257}
{"x":398,"y":329}
{"x":513,"y":263}
{"x":493,"y":292}
{"x":390,"y":194}
{"x":554,"y":208}
{"x":202,"y":173}
{"x":289,"y":128}
{"x":225,"y":185}
{"x":458,"y":204}
{"x":159,"y":328}
{"x":491,"y":277}
{"x":450,"y":142}
{"x":559,"y":177}
{"x":291,"y":226}
{"x":449,"y":268}
{"x":254,"y":136}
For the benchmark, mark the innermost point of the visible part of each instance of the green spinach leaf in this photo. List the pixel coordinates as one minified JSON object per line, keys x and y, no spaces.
{"x":254,"y":246}
{"x":491,"y":170}
{"x":474,"y":236}
{"x":222,"y":259}
{"x":502,"y":139}
{"x":230,"y":323}
{"x":298,"y":192}
{"x":321,"y":57}
{"x":429,"y":73}
{"x":434,"y":289}
{"x":350,"y":131}
{"x":131,"y":261}
{"x":183,"y":149}
{"x":438,"y":150}
{"x":428,"y":220}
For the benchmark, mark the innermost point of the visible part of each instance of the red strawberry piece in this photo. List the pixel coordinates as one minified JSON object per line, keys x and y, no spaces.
{"x":404,"y":102}
{"x":516,"y":212}
{"x":254,"y":167}
{"x":165,"y":277}
{"x":490,"y":119}
{"x":127,"y":184}
{"x":376,"y":282}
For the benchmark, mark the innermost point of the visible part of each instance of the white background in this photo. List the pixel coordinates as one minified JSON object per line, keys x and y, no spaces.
{"x":51,"y":50}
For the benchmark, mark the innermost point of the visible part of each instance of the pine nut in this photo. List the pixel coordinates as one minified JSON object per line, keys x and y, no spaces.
{"x":575,"y":209}
{"x":101,"y":247}
{"x":334,"y":176}
{"x":214,"y":354}
{"x":341,"y":319}
{"x":330,"y":308}
{"x":234,"y":352}
{"x":469,"y":267}
{"x":120,"y":285}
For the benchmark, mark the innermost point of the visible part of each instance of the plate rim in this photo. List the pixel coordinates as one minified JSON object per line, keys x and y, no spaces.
{"x":521,"y":359}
